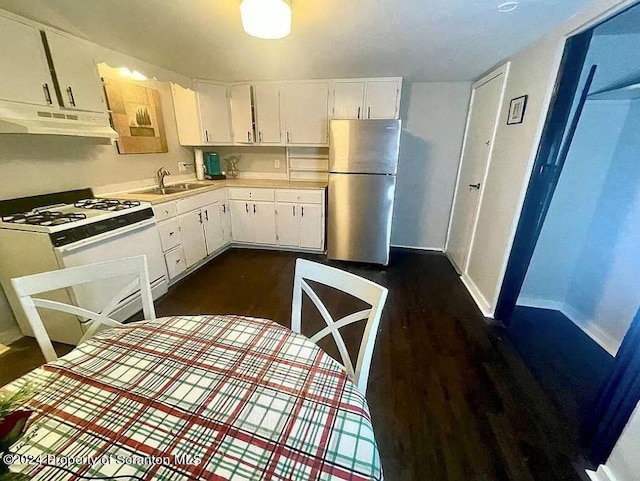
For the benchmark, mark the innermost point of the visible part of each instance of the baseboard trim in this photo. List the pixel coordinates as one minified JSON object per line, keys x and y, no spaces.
{"x":10,"y":336}
{"x":602,"y":474}
{"x":587,"y":325}
{"x":479,"y":299}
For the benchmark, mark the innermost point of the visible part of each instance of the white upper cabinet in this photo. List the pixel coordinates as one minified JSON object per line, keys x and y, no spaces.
{"x":213,"y":104}
{"x":267,"y":113}
{"x":348,"y":100}
{"x":306,"y":113}
{"x":382,"y":99}
{"x":25,"y":74}
{"x":77,"y":73}
{"x":242,"y":114}
{"x":185,"y":106}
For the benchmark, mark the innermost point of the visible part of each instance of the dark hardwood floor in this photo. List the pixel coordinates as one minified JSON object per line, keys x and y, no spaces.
{"x":569,"y":365}
{"x":450,"y":397}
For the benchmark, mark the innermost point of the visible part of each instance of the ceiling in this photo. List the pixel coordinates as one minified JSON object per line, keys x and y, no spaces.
{"x":626,"y":23}
{"x":422,"y":40}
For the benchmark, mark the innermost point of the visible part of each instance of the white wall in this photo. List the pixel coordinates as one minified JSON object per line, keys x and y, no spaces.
{"x":434,"y":116}
{"x":605,"y":288}
{"x":533,"y":73}
{"x":574,"y":203}
{"x":623,"y":463}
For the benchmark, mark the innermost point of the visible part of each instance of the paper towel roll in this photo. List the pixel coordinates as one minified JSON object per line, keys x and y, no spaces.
{"x":199,"y":161}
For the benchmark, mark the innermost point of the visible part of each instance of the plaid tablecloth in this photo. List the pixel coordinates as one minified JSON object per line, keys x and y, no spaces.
{"x":206,"y":397}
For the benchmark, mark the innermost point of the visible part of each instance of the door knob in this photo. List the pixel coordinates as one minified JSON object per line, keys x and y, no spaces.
{"x":475,"y":186}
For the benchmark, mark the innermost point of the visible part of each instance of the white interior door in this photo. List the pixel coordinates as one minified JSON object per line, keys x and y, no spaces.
{"x":267,"y":106}
{"x":482,"y":123}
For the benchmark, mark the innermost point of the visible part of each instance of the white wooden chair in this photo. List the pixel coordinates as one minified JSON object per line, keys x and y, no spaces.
{"x":363,"y":289}
{"x":25,"y":287}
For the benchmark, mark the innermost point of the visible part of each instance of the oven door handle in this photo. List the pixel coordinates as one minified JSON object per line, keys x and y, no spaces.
{"x":105,"y":236}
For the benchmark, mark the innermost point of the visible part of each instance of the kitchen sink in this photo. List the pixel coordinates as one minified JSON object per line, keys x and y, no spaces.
{"x":173,"y":189}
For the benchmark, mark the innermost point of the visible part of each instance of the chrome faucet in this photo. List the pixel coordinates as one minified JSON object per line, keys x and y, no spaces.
{"x":160,"y":175}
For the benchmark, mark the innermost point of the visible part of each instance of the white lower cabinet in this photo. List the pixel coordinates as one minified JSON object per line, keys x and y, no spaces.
{"x":176,"y":263}
{"x":253,"y":222}
{"x":311,"y":226}
{"x":300,"y":225}
{"x":196,"y":227}
{"x":225,"y":217}
{"x":193,"y":240}
{"x":213,"y":231}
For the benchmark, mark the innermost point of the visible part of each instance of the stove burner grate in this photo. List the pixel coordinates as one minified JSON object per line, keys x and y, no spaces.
{"x":106,"y":204}
{"x":45,"y":218}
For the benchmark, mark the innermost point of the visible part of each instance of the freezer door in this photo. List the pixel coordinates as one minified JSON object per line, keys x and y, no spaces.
{"x":360,"y":209}
{"x":364,"y":146}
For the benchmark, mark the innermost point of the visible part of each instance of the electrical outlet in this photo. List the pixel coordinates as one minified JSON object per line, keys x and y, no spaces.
{"x":182,"y":166}
{"x":276,"y":163}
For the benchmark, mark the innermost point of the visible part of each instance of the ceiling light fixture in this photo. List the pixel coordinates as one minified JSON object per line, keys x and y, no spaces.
{"x":270,"y":19}
{"x":507,"y":7}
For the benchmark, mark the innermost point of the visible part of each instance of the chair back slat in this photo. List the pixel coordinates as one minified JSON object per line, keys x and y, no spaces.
{"x":70,"y":309}
{"x":324,"y":312}
{"x":25,"y":287}
{"x":363,"y":289}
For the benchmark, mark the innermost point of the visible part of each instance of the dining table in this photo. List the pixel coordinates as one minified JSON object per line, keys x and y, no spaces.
{"x":209,"y":397}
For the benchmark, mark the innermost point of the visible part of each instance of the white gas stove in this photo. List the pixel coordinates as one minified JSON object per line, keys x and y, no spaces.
{"x":69,"y":229}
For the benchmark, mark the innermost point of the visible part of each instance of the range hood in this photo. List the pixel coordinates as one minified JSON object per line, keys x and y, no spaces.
{"x":30,"y":119}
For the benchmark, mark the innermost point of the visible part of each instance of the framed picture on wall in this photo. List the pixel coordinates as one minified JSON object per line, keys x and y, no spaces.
{"x":517,"y":109}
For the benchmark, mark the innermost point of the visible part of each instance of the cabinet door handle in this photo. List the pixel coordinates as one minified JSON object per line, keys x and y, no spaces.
{"x":206,"y":215}
{"x":254,"y":208}
{"x":302,"y":215}
{"x":47,"y":93}
{"x":72,"y":100}
{"x":171,"y":233}
{"x":368,"y":112}
{"x":206,"y":136}
{"x":246,"y":207}
{"x":200,"y":216}
{"x":259,"y":136}
{"x":178,"y":261}
{"x":288,"y":137}
{"x":359,"y":109}
{"x":294,"y":210}
{"x":224,"y":208}
{"x":249,"y":136}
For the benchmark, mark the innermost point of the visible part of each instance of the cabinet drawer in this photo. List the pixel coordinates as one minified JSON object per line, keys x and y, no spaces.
{"x":176,"y":263}
{"x":251,"y":194}
{"x":198,"y":201}
{"x":164,"y":211}
{"x":169,"y":234}
{"x":306,"y":196}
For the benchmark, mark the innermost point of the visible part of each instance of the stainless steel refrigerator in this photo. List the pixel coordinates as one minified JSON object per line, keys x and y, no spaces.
{"x":363,"y":161}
